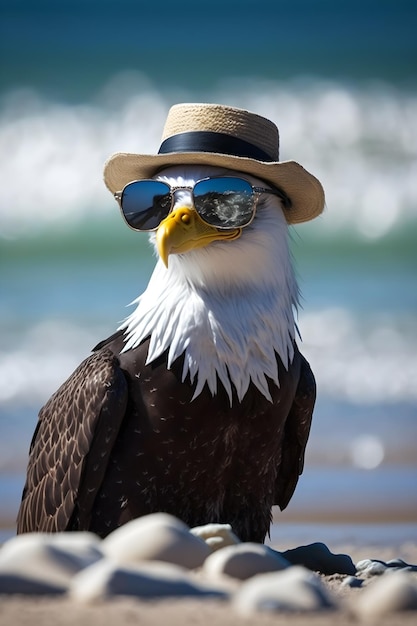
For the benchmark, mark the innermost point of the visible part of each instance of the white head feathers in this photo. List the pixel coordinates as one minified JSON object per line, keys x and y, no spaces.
{"x":228,"y":307}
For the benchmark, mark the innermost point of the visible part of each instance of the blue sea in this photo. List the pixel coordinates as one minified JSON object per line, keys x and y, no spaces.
{"x":82,"y":80}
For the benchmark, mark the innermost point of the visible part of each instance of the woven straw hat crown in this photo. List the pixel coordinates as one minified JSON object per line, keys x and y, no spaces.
{"x":224,"y":136}
{"x":230,"y":121}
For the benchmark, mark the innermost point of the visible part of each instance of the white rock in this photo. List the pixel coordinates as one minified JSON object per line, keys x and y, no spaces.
{"x":362,"y":565}
{"x":43,"y":563}
{"x":352,"y":581}
{"x":156,"y":537}
{"x":369,"y":567}
{"x":294,"y":589}
{"x":243,"y":561}
{"x":216,"y":535}
{"x":397,"y":592}
{"x":148,"y":580}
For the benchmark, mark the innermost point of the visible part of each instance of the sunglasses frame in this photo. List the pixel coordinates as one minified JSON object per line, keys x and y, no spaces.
{"x":256,"y":191}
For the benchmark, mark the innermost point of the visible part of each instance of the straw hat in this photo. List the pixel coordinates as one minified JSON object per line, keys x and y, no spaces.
{"x":214,"y":134}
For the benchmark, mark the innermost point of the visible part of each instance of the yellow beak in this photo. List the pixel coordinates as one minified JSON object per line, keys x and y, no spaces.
{"x":184,"y":230}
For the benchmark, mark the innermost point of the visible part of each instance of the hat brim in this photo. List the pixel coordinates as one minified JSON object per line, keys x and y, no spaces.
{"x":304,"y":190}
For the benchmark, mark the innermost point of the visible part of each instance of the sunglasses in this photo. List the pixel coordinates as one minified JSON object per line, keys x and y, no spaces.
{"x":222,"y":202}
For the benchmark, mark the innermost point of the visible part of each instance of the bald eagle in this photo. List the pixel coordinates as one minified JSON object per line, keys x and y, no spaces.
{"x":200,"y":404}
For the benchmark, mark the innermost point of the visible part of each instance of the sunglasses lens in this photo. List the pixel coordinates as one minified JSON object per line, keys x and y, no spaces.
{"x":145,"y":203}
{"x":224,"y":202}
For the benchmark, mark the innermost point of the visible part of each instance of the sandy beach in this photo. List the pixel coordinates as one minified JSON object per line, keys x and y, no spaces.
{"x":126,"y":611}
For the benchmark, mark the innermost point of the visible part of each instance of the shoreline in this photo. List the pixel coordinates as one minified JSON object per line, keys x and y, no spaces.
{"x":360,"y":533}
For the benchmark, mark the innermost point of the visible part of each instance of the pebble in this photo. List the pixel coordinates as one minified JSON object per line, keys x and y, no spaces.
{"x":352,"y":581}
{"x":399,"y":564}
{"x":371,"y":568}
{"x":317,"y":557}
{"x":243,"y":561}
{"x":107,"y":579}
{"x":43,"y":563}
{"x":216,"y":535}
{"x":375,"y":567}
{"x":294,"y":589}
{"x":389,"y":594}
{"x":156,"y":556}
{"x":156,"y":537}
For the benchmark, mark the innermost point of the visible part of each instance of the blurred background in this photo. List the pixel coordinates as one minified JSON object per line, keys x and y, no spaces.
{"x":83,"y":79}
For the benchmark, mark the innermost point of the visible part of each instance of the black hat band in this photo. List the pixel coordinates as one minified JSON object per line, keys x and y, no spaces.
{"x":207,"y":141}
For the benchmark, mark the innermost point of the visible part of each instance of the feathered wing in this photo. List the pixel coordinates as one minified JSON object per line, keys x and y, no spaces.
{"x":297,"y":430}
{"x":74,"y":438}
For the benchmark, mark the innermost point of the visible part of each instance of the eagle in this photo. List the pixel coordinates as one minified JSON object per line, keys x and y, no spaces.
{"x":200,"y":404}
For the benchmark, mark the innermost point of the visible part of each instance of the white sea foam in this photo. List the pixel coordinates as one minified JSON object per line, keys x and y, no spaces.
{"x":39,"y":359}
{"x":360,"y":142}
{"x":354,"y":360}
{"x":362,"y":360}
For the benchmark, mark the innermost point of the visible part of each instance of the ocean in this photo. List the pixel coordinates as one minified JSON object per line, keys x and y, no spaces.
{"x":83,"y":80}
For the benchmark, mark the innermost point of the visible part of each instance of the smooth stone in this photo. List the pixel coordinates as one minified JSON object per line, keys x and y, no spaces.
{"x":294,"y":589}
{"x":44,"y":563}
{"x":410,"y":568}
{"x":396,"y":563}
{"x":156,"y":537}
{"x":389,"y":594}
{"x":216,"y":535}
{"x":151,"y":579}
{"x":375,"y":569}
{"x":371,"y":567}
{"x":317,"y":557}
{"x":352,"y":581}
{"x":243,"y":560}
{"x":399,"y":564}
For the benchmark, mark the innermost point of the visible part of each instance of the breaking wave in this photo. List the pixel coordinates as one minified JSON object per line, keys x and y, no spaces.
{"x":360,"y":142}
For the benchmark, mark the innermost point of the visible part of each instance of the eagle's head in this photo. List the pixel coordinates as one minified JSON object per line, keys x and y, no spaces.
{"x":223,"y":259}
{"x":224,"y":297}
{"x":223,"y":293}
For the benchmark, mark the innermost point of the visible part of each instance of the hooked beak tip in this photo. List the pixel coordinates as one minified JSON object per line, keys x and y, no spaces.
{"x":162,"y":245}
